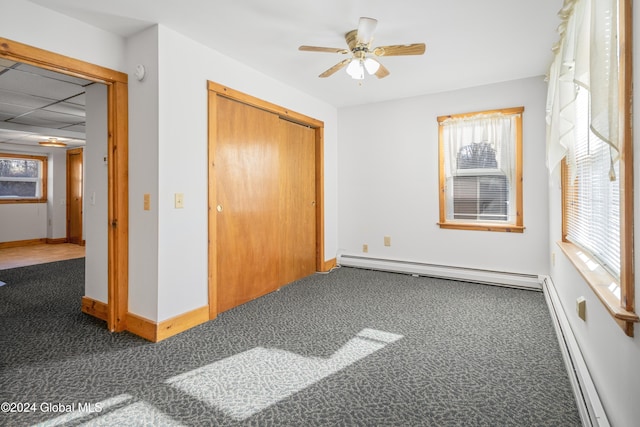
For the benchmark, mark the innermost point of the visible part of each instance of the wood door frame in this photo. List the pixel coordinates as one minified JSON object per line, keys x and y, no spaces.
{"x":74,"y":151}
{"x":214,"y":90}
{"x":118,"y":164}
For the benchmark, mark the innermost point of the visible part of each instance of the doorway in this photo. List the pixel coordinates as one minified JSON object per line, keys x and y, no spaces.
{"x":114,"y":312}
{"x":266,"y":199}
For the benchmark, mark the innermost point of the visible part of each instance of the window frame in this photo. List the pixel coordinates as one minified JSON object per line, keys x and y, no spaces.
{"x":518,"y":226}
{"x":605,"y":285}
{"x":43,"y":179}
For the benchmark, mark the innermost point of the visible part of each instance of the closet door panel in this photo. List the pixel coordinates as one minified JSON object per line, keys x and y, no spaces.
{"x":297,"y":201}
{"x":247,"y":187}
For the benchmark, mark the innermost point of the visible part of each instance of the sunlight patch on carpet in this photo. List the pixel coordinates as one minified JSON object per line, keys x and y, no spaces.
{"x":245,"y":384}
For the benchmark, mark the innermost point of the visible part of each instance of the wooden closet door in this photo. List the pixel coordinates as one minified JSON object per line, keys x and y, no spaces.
{"x":248,"y":241}
{"x":297,"y":201}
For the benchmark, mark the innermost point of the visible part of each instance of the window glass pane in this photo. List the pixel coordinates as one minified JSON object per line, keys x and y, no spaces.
{"x":592,"y":197}
{"x":22,"y":177}
{"x":480,"y":197}
{"x":19,"y":168}
{"x":17,"y":189}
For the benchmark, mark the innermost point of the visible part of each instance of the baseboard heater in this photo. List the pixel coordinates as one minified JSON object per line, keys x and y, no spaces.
{"x":587,"y":399}
{"x":516,"y":280}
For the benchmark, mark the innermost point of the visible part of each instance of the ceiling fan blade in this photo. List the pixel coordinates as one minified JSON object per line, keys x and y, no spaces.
{"x":382,"y":72}
{"x":366,"y":27}
{"x":400,"y":49}
{"x":323,"y":49}
{"x":335,"y":68}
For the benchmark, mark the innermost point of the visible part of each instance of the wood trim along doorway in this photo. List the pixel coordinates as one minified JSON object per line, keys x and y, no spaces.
{"x":118,"y":192}
{"x":214,"y":91}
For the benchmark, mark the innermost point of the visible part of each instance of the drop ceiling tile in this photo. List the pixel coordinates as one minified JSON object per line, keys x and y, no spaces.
{"x":20,"y":81}
{"x":79,"y":100}
{"x":52,"y":75}
{"x":6,"y":63}
{"x":78,"y":127}
{"x":67,"y":108}
{"x":12,"y":110}
{"x":23,"y":99}
{"x":30,"y":120}
{"x":7,"y":135}
{"x":53,"y":116}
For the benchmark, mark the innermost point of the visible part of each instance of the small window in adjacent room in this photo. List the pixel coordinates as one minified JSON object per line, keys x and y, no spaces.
{"x":481,"y":170}
{"x":23,"y":178}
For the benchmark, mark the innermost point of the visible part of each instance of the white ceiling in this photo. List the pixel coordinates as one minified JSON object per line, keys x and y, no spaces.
{"x":469,"y":42}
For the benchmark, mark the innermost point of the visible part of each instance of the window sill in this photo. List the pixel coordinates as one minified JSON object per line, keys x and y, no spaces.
{"x":15,"y":201}
{"x":601,"y":282}
{"x":507,"y":228}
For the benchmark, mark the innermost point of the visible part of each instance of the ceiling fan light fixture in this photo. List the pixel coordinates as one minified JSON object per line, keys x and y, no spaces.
{"x":52,"y":142}
{"x":356,"y":69}
{"x":371,"y":65}
{"x":366,"y":27}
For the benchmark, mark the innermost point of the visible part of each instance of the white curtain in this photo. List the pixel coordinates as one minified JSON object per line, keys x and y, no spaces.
{"x":497,"y":130}
{"x":586,"y":55}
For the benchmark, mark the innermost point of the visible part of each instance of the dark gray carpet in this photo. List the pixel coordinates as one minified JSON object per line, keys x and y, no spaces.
{"x":351,"y":348}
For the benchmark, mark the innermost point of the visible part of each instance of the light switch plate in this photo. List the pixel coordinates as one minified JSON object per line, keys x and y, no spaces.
{"x":179,"y":201}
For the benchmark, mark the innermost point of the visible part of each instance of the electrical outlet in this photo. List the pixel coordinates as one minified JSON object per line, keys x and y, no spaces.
{"x":179,"y":201}
{"x":387,"y":240}
{"x":365,"y":248}
{"x":581,"y":307}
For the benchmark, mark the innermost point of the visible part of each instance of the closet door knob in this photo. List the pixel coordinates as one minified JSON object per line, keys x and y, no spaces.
{"x":219,"y":208}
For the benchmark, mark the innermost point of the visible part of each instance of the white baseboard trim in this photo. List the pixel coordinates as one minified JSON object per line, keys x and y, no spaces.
{"x":517,"y":280}
{"x":589,"y":405}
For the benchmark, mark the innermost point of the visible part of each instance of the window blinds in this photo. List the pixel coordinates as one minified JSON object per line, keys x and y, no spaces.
{"x":592,"y":198}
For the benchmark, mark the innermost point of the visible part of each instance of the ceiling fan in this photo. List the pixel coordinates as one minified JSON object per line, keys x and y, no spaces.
{"x":362,"y":55}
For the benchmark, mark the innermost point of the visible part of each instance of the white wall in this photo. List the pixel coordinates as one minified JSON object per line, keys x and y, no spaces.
{"x":23,"y":221}
{"x":57,"y":194}
{"x":613,"y":358}
{"x":388,"y":176}
{"x":27,"y":23}
{"x":142,"y":48}
{"x":182,"y":258}
{"x":27,"y":221}
{"x":95,"y":194}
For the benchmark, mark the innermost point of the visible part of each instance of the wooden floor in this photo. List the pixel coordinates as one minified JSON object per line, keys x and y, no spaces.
{"x":38,"y":254}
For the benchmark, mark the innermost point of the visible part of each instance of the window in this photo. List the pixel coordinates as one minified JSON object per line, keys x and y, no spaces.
{"x":23,"y":178}
{"x":591,"y":195}
{"x":589,"y":133}
{"x":481,"y":170}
